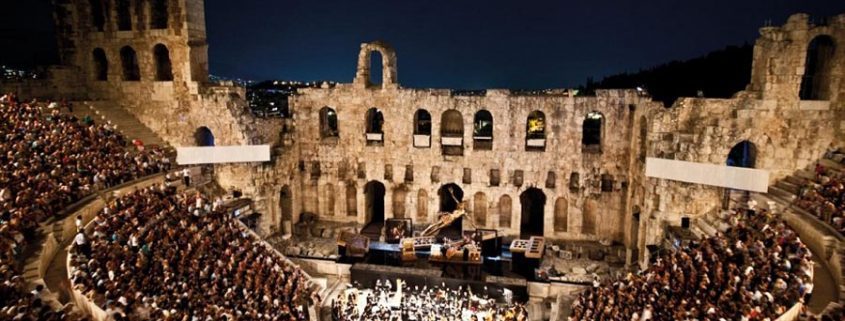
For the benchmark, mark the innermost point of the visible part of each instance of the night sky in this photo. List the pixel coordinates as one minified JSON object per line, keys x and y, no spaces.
{"x":448,"y":43}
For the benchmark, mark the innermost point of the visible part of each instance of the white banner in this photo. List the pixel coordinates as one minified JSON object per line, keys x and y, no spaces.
{"x":748,"y":179}
{"x":222,"y":154}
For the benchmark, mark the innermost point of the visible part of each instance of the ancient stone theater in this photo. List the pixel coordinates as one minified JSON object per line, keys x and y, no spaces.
{"x":368,"y":200}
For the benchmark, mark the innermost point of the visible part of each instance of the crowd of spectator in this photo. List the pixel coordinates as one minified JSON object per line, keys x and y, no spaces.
{"x":155,"y":254}
{"x":50,"y":160}
{"x":824,"y":197}
{"x":422,"y":304}
{"x":756,"y":270}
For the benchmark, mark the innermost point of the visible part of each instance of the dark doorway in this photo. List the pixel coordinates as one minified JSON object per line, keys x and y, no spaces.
{"x":204,"y":137}
{"x":815,"y":84}
{"x":533,"y":202}
{"x":286,"y":203}
{"x":450,"y":196}
{"x":164,"y":69}
{"x":374,"y":201}
{"x":743,"y":154}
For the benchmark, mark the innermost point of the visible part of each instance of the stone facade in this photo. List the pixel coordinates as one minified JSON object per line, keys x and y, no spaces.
{"x":572,"y":180}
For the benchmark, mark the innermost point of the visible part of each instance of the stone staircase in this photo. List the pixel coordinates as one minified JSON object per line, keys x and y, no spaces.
{"x":126,"y":123}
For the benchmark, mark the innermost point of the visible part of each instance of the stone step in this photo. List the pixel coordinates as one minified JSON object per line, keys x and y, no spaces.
{"x":796,"y":180}
{"x":784,"y":194}
{"x":126,"y":123}
{"x":787,"y":186}
{"x":831,"y":164}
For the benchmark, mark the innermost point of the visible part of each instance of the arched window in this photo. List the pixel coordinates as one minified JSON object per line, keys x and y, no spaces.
{"x":164,"y":70}
{"x":124,"y":15}
{"x":351,"y":200}
{"x":399,"y":196}
{"x":815,"y":84}
{"x":592,"y":132}
{"x":204,"y":137}
{"x":98,"y":18}
{"x":422,"y":122}
{"x":589,"y":218}
{"x":535,"y":131}
{"x":452,"y":132}
{"x":479,"y":209}
{"x":422,"y":128}
{"x":375,"y":132}
{"x":129,"y":60}
{"x":101,"y":65}
{"x":743,"y":154}
{"x":505,"y":211}
{"x":482,"y":130}
{"x":328,"y":123}
{"x":561,"y":215}
{"x":376,"y":68}
{"x":158,"y":14}
{"x":422,"y":206}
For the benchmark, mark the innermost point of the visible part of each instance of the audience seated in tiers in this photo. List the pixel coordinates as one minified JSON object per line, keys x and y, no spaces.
{"x":157,"y":255}
{"x":756,"y":270}
{"x":51,"y":160}
{"x":421,"y":304}
{"x":825,"y":197}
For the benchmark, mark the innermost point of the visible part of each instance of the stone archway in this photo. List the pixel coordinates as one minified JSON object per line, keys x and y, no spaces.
{"x":204,"y":137}
{"x":451,"y":195}
{"x":533,"y":203}
{"x":374,"y":193}
{"x":743,"y":154}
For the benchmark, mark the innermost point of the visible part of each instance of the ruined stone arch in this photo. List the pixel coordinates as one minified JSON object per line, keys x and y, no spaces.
{"x":98,"y":16}
{"x":204,"y":137}
{"x":479,"y":209}
{"x":561,"y":222}
{"x":482,"y":130}
{"x":505,"y":211}
{"x":422,"y":122}
{"x":164,"y":67}
{"x":589,"y":217}
{"x":533,"y":203}
{"x":422,"y":205}
{"x":159,"y":14}
{"x":743,"y":154}
{"x":129,"y":61}
{"x":101,"y":64}
{"x":818,"y":67}
{"x":374,"y":121}
{"x":351,"y":200}
{"x":400,"y":194}
{"x":388,"y":61}
{"x":328,"y":123}
{"x":592,"y":132}
{"x":124,"y":15}
{"x":535,"y":131}
{"x":452,"y":132}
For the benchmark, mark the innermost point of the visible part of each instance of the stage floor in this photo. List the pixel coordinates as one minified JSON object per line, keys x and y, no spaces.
{"x":500,"y":266}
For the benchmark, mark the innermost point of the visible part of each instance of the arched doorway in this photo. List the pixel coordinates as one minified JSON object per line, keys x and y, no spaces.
{"x":374,"y":209}
{"x":816,"y":82}
{"x":743,"y":154}
{"x":286,"y":206}
{"x":450,"y":196}
{"x":204,"y":137}
{"x":533,"y":202}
